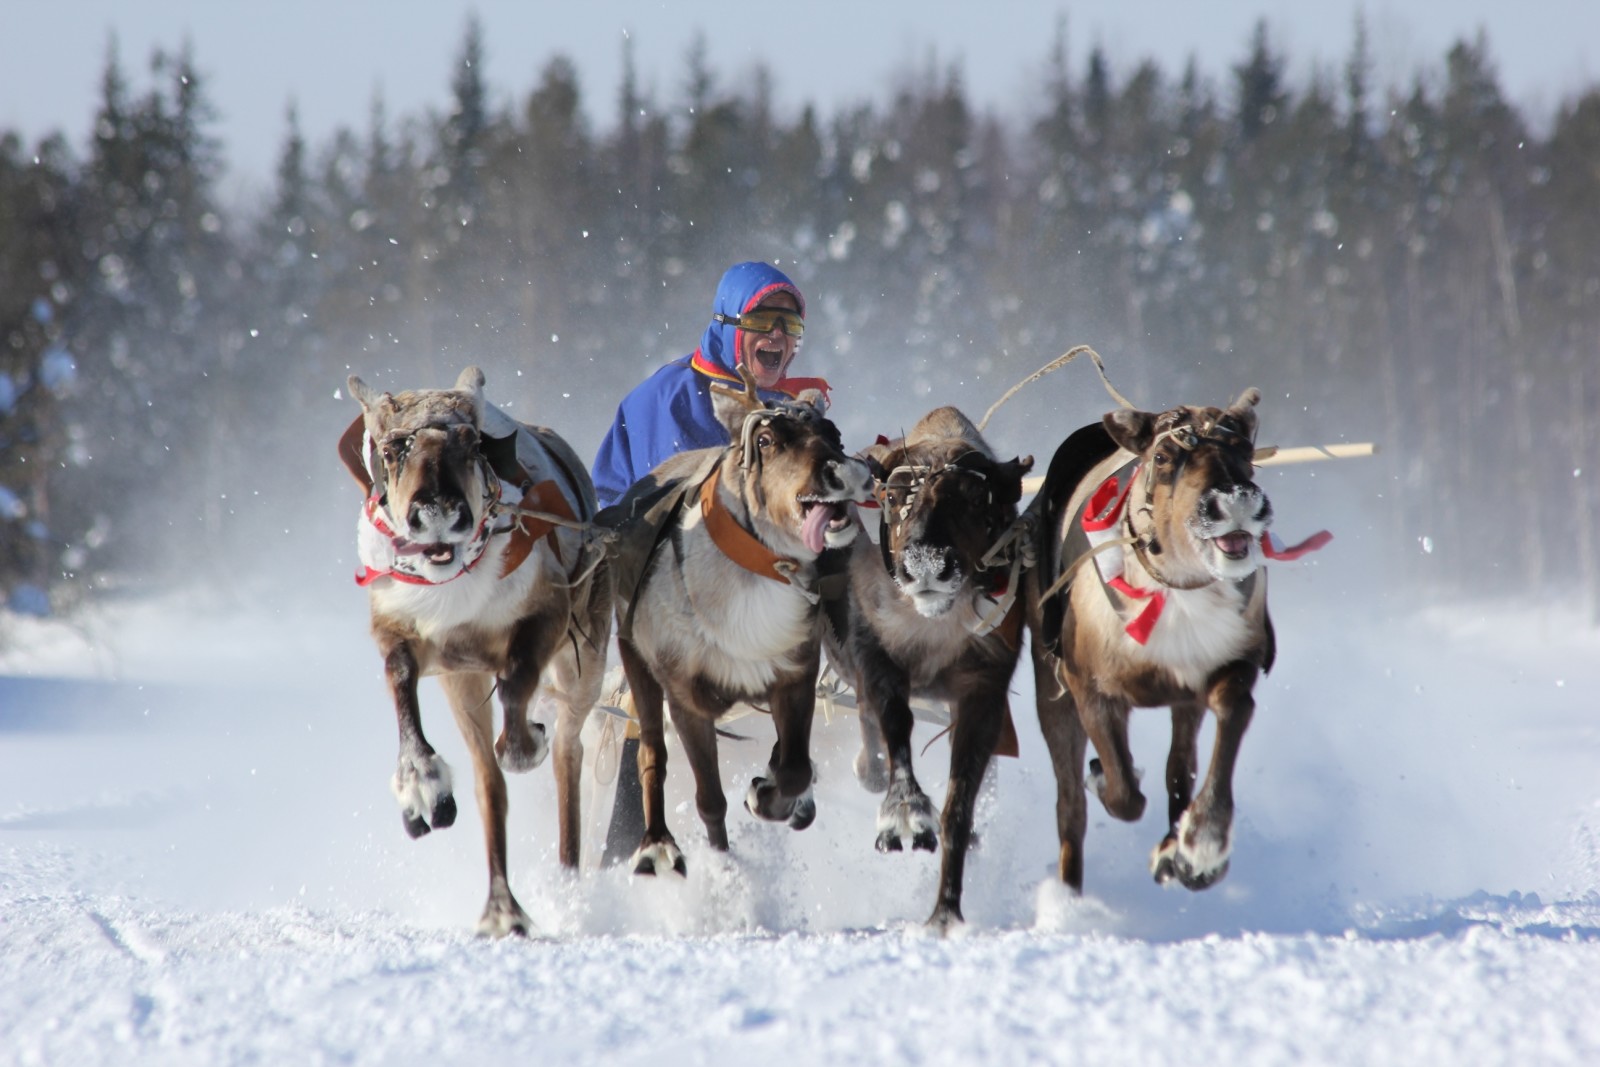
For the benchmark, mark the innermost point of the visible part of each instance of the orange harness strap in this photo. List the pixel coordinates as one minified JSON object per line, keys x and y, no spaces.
{"x":546,"y":496}
{"x":735,"y":542}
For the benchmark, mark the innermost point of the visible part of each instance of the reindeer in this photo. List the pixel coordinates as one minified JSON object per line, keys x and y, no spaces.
{"x":934,"y":611}
{"x":477,"y":573}
{"x":1171,"y":611}
{"x":727,"y":605}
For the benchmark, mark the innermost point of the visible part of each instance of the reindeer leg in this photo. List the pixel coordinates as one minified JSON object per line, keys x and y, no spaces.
{"x":522,"y":745}
{"x":657,"y":850}
{"x":784,"y":793}
{"x":1066,"y":740}
{"x":906,"y":810}
{"x":1112,"y":775}
{"x":871,"y":765}
{"x":421,"y":781}
{"x":979,"y":716}
{"x":470,"y":696}
{"x":1205,"y":830}
{"x":697,"y":733}
{"x":1182,"y":763}
{"x":574,"y":683}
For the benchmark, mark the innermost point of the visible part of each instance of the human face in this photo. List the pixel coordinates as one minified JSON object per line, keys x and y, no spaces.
{"x":768,"y":354}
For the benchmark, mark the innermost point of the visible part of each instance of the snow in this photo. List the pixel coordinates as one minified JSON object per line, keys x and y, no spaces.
{"x":200,"y":862}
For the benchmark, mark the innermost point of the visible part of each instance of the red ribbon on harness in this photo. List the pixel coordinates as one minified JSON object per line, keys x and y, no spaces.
{"x":1294,"y":552}
{"x":1144,"y":622}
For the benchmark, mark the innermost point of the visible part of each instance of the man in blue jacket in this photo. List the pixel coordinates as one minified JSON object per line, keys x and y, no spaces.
{"x":757,"y":320}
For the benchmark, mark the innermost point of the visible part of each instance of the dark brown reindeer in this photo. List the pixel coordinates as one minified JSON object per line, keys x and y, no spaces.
{"x":476,"y":573}
{"x":726,"y":608}
{"x":934,"y":611}
{"x":1171,"y":611}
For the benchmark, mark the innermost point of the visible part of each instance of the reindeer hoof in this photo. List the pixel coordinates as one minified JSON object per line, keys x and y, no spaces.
{"x":444,"y":812}
{"x":1129,"y":808}
{"x":889,"y":841}
{"x":905,"y":812}
{"x":872,"y":772}
{"x":654,"y":859}
{"x":1163,"y":867}
{"x":1196,"y":880}
{"x":945,"y":920}
{"x":805,"y":812}
{"x":526,"y":753}
{"x":500,"y":920}
{"x":1196,"y":853}
{"x":421,"y":784}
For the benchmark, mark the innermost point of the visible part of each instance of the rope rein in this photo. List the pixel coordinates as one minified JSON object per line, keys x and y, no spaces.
{"x":1054,"y":365}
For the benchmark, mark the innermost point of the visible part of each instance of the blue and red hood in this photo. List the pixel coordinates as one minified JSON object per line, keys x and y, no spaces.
{"x":743,"y":287}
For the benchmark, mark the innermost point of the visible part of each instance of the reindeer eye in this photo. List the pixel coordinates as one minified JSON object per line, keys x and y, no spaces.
{"x":765,"y":440}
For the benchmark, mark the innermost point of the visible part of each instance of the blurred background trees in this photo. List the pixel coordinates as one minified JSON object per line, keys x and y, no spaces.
{"x":1412,"y":264}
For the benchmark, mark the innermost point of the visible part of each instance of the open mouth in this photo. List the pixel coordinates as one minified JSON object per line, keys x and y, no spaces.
{"x":1235,"y":545}
{"x":819,"y":518}
{"x":439,"y":554}
{"x":770,"y":358}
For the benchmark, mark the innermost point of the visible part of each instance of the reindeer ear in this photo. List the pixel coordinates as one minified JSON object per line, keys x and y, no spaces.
{"x":364,"y":394}
{"x":471,"y":383}
{"x":1008,"y":475}
{"x":814,"y":398}
{"x":1244,"y":410}
{"x":732,"y":405}
{"x":878,"y":452}
{"x":1133,"y":430}
{"x":377,"y":409}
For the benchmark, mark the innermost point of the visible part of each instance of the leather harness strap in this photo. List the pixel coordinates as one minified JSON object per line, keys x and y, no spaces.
{"x":737,"y":543}
{"x":547,"y":497}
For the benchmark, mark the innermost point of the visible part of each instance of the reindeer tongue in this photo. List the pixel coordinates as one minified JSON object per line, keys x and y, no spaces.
{"x":812,"y":527}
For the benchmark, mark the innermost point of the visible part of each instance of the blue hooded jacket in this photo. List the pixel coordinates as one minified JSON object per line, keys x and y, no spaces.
{"x":670,"y":411}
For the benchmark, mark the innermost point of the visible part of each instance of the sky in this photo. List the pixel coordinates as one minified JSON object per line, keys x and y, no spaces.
{"x":332,"y":59}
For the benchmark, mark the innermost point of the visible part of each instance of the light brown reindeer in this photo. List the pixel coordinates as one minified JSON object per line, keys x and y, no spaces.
{"x":727,"y":607}
{"x":1172,"y":612}
{"x":477,"y":573}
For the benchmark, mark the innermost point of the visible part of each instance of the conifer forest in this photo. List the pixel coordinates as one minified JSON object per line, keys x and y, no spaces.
{"x":1412,"y":264}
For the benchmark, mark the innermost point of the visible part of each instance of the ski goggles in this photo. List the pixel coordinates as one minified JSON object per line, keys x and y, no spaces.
{"x":764,"y":320}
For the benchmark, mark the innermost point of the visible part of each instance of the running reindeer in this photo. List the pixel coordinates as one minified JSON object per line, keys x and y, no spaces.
{"x":727,"y":547}
{"x":477,"y":572}
{"x":934,"y":611}
{"x":1170,"y":611}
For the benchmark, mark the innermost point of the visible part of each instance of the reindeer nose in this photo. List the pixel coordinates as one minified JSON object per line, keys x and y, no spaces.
{"x":425,"y":507}
{"x":1236,"y":503}
{"x":925,"y":563}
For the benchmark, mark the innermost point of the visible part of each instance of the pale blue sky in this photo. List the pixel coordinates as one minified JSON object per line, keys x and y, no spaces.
{"x":331,"y":56}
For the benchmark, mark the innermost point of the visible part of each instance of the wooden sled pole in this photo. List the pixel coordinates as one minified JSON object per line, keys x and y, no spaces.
{"x":1272,"y":456}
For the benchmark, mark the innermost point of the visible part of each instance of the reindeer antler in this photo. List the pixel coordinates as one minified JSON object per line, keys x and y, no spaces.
{"x":750,"y":395}
{"x":749,"y":383}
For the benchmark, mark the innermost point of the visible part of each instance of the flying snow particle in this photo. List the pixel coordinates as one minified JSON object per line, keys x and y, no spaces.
{"x":1427,"y":544}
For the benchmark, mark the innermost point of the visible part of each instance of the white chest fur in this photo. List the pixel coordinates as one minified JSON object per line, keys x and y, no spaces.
{"x":710,"y":617}
{"x":1199,"y":629}
{"x":480,"y":597}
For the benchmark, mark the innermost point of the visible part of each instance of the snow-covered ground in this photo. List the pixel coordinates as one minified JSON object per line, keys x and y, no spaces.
{"x":200,"y":862}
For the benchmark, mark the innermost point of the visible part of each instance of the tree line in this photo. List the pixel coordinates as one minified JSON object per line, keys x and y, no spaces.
{"x":1412,"y":264}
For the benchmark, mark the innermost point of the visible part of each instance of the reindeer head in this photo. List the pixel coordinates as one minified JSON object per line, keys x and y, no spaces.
{"x":426,"y":467}
{"x":793,"y":476}
{"x":1195,"y":509}
{"x":945,"y":499}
